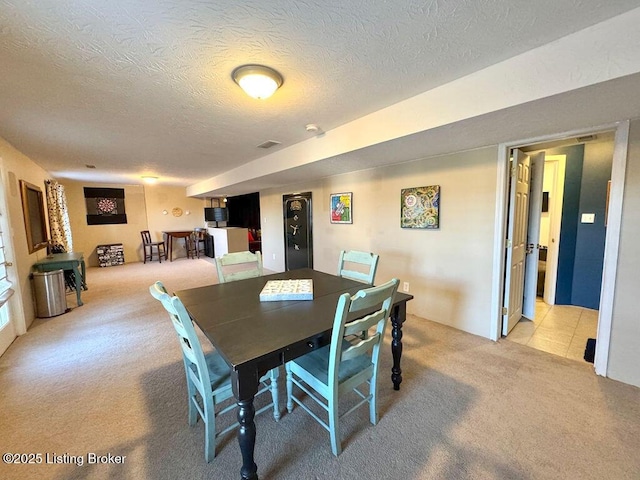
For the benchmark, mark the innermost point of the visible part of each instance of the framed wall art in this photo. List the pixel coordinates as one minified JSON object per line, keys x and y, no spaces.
{"x":105,"y":206}
{"x":420,"y":207}
{"x":341,"y":208}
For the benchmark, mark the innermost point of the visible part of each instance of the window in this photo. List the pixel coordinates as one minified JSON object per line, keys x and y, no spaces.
{"x":5,"y":285}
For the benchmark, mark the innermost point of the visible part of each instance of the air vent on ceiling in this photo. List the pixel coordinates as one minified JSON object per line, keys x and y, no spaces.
{"x":586,"y":138}
{"x":268,"y":144}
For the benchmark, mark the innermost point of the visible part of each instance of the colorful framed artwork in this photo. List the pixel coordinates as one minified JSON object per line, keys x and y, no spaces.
{"x":341,"y":208}
{"x":420,"y":207}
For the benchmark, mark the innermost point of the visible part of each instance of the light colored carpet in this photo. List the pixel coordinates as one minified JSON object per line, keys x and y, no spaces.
{"x":107,"y":377}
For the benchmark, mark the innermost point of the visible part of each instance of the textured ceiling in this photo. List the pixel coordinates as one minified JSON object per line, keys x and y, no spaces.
{"x":144,"y":87}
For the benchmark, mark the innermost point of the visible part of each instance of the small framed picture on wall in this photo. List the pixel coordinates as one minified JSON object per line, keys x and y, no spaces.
{"x":341,"y":207}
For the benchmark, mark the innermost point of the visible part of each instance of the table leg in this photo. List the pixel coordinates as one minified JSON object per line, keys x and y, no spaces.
{"x":244,"y":390}
{"x":166,"y":247}
{"x":247,"y":439}
{"x":83,"y":269}
{"x":186,"y":246}
{"x":78,"y":284}
{"x":398,"y":316}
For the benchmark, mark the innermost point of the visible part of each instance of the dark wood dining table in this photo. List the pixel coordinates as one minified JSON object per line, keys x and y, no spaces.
{"x":171,"y":234}
{"x":254,"y":337}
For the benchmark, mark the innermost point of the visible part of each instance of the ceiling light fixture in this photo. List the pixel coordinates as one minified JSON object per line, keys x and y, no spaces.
{"x":257,"y":81}
{"x":149,"y":179}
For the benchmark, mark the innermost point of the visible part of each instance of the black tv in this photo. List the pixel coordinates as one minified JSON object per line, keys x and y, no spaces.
{"x":215,"y":214}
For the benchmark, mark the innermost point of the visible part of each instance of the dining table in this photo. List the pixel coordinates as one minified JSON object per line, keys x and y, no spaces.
{"x":255,"y":336}
{"x":171,"y":234}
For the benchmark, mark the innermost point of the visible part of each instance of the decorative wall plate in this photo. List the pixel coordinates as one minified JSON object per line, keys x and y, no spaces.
{"x":177,"y":212}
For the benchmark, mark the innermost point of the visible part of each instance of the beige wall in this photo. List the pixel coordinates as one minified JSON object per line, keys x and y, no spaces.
{"x":624,"y":350}
{"x":16,"y":167}
{"x":449,"y":270}
{"x":144,"y":206}
{"x":87,"y":237}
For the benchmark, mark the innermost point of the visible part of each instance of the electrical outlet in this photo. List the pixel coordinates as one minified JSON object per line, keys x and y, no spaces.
{"x":274,"y":256}
{"x":405,"y":287}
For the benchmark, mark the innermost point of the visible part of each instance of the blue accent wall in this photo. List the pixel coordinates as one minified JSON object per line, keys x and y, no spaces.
{"x":569,"y":225}
{"x":590,"y":240}
{"x":581,"y":250}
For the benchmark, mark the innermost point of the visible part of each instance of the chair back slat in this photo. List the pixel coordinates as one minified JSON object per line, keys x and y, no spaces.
{"x":362,"y":347}
{"x":364,"y":323}
{"x":348,"y":261}
{"x":251,"y":264}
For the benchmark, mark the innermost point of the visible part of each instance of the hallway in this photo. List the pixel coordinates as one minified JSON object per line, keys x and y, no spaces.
{"x":559,"y":329}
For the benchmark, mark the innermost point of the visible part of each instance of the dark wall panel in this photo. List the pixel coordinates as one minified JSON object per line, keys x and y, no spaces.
{"x":590,"y":239}
{"x":569,"y":227}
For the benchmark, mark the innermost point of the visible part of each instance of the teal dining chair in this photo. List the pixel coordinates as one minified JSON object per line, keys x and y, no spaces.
{"x":208,"y":376}
{"x":238,"y":266}
{"x":349,"y":262}
{"x":342,"y":366}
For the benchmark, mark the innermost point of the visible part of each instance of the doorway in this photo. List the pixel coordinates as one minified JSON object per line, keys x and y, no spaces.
{"x":574,"y":321}
{"x":244,"y":211}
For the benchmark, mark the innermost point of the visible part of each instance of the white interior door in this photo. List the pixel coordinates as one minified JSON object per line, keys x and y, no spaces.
{"x":556,"y":194}
{"x":520,"y":175}
{"x":533,"y":236}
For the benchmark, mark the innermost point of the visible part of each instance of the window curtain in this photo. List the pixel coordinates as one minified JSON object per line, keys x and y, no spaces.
{"x":58,"y":216}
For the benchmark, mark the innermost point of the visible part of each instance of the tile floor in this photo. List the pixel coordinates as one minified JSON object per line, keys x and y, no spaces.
{"x":559,"y":329}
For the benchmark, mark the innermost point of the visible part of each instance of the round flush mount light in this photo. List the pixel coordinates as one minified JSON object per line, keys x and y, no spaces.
{"x":257,"y":81}
{"x":149,"y":179}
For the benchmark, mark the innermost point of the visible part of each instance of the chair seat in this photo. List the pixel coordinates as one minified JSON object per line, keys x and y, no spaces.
{"x":219,"y":371}
{"x":316,"y":365}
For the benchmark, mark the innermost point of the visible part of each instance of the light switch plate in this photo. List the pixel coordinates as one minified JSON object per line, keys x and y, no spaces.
{"x":588,"y":218}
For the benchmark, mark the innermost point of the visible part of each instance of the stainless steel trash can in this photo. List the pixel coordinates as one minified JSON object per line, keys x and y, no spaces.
{"x":49,"y":290}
